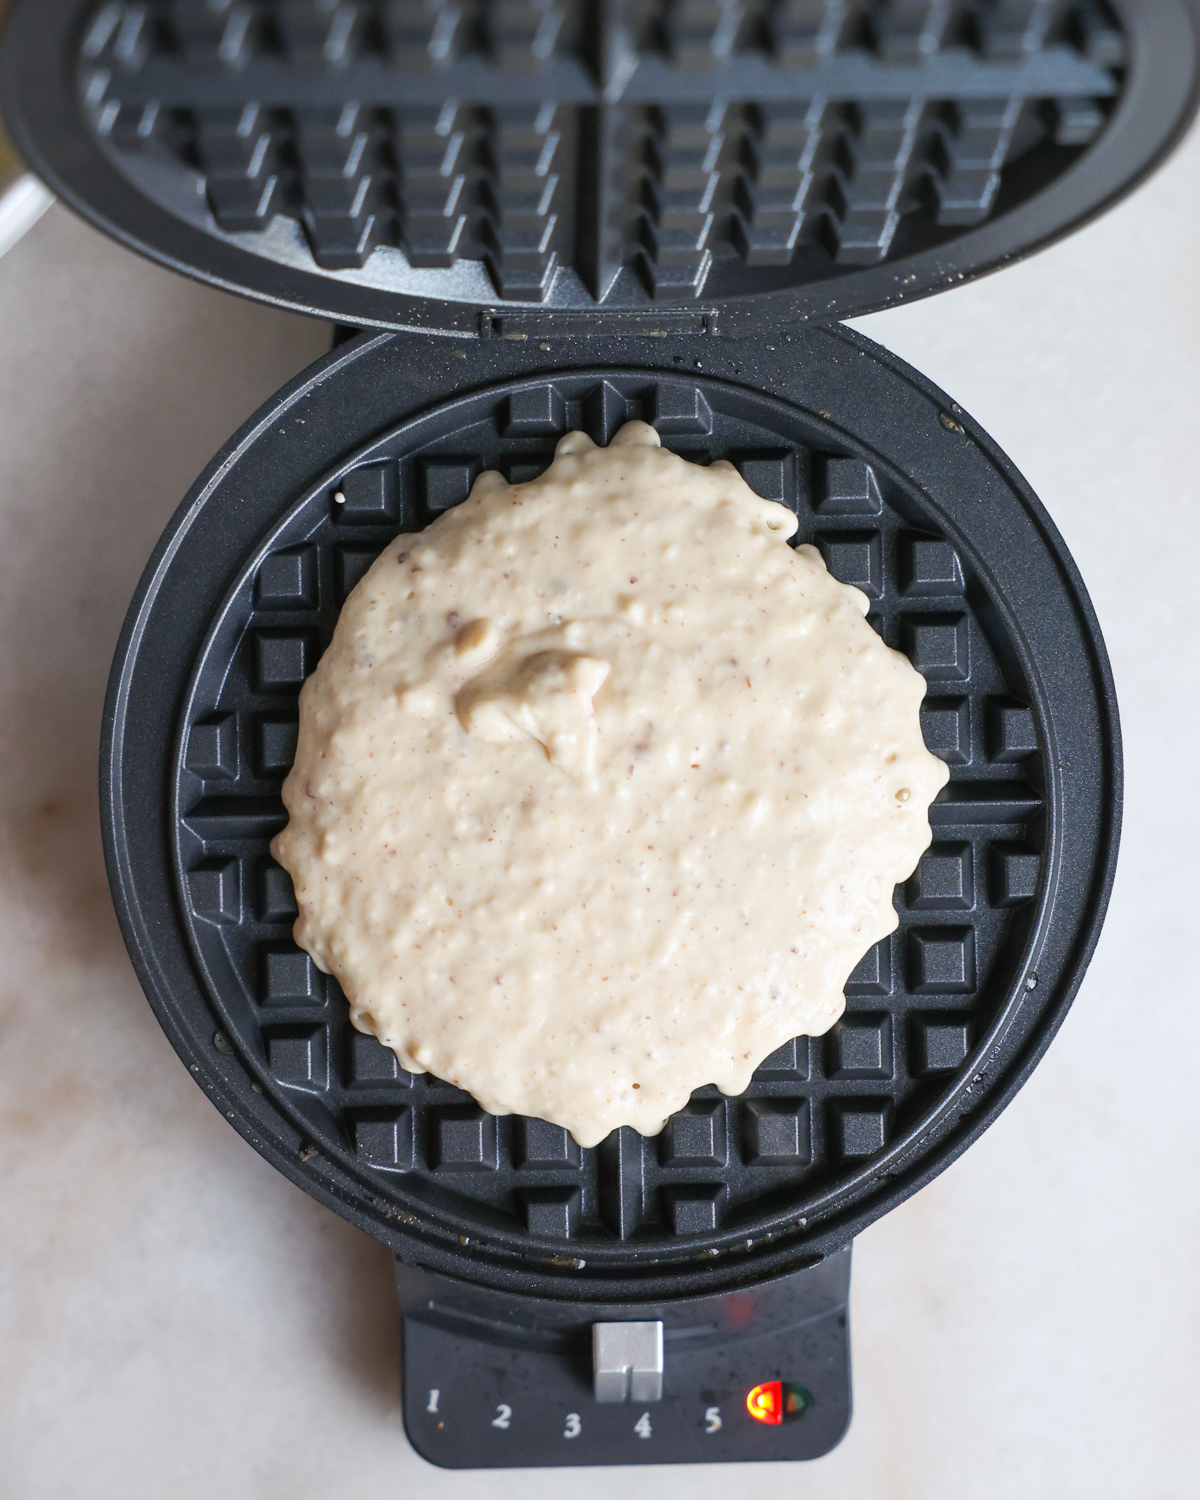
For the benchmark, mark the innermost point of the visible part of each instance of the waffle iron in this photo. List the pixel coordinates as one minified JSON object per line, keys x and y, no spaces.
{"x":527,"y":216}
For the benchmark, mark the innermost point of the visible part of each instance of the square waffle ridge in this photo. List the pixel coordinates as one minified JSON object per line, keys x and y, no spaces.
{"x":818,"y":1111}
{"x":563,"y":153}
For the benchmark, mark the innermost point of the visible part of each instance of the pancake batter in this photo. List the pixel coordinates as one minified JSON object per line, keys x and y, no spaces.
{"x":602,"y":789}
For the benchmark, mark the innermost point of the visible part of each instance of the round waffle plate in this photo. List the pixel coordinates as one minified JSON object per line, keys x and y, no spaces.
{"x":411,"y":165}
{"x":908,"y":501}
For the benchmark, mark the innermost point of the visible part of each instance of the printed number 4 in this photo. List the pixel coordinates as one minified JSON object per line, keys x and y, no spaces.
{"x":642,"y":1425}
{"x":574,"y":1425}
{"x":503,"y":1413}
{"x":712,"y":1419}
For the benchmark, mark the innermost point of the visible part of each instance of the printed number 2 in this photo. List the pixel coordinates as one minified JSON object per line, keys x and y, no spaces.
{"x":712,"y":1419}
{"x":503,"y":1413}
{"x":574,"y":1425}
{"x":642,"y":1425}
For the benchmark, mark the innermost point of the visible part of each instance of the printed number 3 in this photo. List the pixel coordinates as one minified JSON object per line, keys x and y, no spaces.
{"x":574,"y":1426}
{"x":642,"y":1425}
{"x":502,"y":1415}
{"x":712,"y":1419}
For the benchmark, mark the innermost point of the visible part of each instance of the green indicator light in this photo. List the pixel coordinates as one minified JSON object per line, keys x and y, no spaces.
{"x":796,"y":1400}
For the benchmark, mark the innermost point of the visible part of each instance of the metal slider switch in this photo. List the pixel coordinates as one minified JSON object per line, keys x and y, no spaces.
{"x":627,"y":1359}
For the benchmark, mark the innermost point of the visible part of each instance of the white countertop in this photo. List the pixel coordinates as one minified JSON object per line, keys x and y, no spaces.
{"x":177,"y":1320}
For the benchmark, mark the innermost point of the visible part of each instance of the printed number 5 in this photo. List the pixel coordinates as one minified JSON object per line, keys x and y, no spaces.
{"x":574,"y":1426}
{"x":642,"y":1425}
{"x":502,"y":1415}
{"x":712,"y":1419}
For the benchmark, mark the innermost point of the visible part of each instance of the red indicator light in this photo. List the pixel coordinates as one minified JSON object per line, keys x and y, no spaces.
{"x":765,"y":1402}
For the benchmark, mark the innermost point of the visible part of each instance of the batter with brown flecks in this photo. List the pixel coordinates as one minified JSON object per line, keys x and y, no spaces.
{"x":603,"y":789}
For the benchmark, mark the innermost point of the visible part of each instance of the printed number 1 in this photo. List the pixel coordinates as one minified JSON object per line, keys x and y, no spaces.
{"x":712,"y":1419}
{"x":574,"y":1426}
{"x":642,"y":1425}
{"x":503,"y":1413}
{"x":433,"y":1400}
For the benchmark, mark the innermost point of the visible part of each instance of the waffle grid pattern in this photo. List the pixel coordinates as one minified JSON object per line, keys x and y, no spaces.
{"x":819,"y":1108}
{"x":637,"y":153}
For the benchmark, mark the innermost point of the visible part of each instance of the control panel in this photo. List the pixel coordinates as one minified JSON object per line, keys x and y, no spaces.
{"x":495,"y":1381}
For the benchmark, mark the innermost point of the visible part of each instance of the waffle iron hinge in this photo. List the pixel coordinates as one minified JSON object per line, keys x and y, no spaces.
{"x":539,"y":326}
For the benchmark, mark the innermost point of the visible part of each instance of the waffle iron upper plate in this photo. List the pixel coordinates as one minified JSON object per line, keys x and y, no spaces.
{"x":416,"y":163}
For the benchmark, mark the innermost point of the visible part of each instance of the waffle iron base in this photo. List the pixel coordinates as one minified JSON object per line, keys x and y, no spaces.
{"x":908,"y":500}
{"x":492,"y":1380}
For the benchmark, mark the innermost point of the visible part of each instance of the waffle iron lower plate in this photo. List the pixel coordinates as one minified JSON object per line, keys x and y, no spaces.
{"x":909,"y":501}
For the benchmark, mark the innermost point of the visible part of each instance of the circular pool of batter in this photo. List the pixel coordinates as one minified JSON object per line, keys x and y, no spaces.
{"x":602,"y":789}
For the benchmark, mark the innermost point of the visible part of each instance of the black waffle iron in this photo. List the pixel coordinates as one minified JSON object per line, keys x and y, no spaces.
{"x":529,"y":216}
